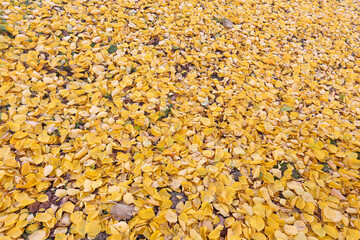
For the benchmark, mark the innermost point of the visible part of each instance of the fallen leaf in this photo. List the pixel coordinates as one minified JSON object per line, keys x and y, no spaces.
{"x":122,"y":211}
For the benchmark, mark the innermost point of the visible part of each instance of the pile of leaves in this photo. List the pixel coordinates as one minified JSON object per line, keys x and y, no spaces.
{"x":179,"y":119}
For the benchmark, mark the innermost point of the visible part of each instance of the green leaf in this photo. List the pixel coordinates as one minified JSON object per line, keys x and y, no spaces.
{"x":342,"y":97}
{"x":78,"y":124}
{"x":326,"y":167}
{"x":333,"y":141}
{"x":137,"y":128}
{"x":132,"y":69}
{"x":286,"y":108}
{"x":108,"y":96}
{"x":295,"y":174}
{"x":283,"y":167}
{"x":112,"y":49}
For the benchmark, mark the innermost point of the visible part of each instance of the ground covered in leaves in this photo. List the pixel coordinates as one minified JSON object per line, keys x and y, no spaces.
{"x":179,"y":120}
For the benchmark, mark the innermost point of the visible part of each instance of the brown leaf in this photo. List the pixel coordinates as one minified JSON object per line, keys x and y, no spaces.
{"x":176,"y":198}
{"x":227,"y":23}
{"x":121,"y":211}
{"x":174,"y":96}
{"x":34,"y":208}
{"x":101,"y":236}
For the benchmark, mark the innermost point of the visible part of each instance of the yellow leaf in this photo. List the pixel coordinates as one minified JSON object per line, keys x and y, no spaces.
{"x":332,"y":148}
{"x":128,"y":198}
{"x":258,"y":236}
{"x":38,"y":235}
{"x":238,"y":151}
{"x":318,"y":229}
{"x":76,"y":217}
{"x":290,"y":230}
{"x":93,"y":228}
{"x":81,"y":227}
{"x":171,"y":216}
{"x":319,"y":154}
{"x":328,"y":112}
{"x":14,"y":232}
{"x":47,"y":170}
{"x":20,"y":134}
{"x":44,"y":137}
{"x":147,"y":213}
{"x":268,"y":177}
{"x":215,"y":234}
{"x":4,"y":152}
{"x":19,"y":118}
{"x":331,"y":231}
{"x":257,"y":222}
{"x":205,"y":121}
{"x":332,"y":215}
{"x":43,"y":198}
{"x":13,"y":126}
{"x":195,"y":235}
{"x":68,"y":207}
{"x":43,"y":217}
{"x":60,"y":236}
{"x":354,"y":163}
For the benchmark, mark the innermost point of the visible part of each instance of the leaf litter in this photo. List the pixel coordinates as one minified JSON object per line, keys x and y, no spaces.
{"x":179,"y":120}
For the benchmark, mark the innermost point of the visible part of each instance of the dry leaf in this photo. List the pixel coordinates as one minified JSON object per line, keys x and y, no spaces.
{"x":122,"y":211}
{"x":227,"y":23}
